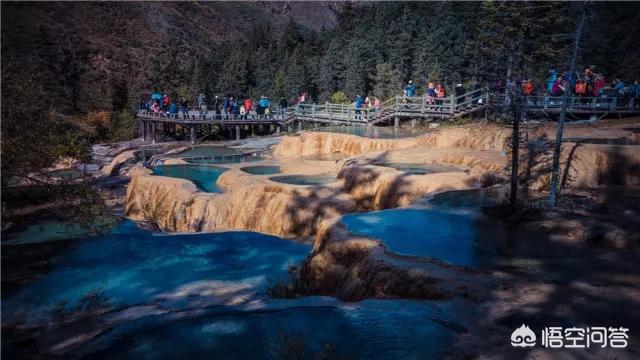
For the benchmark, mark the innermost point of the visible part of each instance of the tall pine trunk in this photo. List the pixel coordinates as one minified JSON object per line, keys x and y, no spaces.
{"x":555,"y":170}
{"x":515,"y":147}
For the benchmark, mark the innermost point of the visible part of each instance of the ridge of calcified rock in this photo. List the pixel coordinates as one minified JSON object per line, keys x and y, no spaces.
{"x":255,"y":203}
{"x":353,"y":268}
{"x":259,"y":204}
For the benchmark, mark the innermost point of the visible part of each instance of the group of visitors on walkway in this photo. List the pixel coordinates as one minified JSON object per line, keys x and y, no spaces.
{"x":586,"y":84}
{"x":229,"y":107}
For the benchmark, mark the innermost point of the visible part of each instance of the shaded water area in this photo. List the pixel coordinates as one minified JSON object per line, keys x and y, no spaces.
{"x":603,"y":141}
{"x":261,"y":170}
{"x":473,"y":198}
{"x":445,"y":235}
{"x":448,"y":228}
{"x":205,"y":154}
{"x":203,"y":176}
{"x":327,"y":157}
{"x":67,"y":174}
{"x":304,"y":179}
{"x":134,"y":294}
{"x":422,"y":169}
{"x":374,"y":132}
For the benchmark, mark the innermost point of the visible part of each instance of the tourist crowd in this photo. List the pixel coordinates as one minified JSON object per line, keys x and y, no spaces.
{"x":588,"y":83}
{"x":226,"y":108}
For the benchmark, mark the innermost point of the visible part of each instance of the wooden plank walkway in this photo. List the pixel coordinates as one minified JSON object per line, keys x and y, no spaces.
{"x":395,"y":109}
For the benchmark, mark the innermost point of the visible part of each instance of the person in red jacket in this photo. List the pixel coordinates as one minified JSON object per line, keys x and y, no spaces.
{"x":166,"y":101}
{"x":247,"y":107}
{"x":527,"y":88}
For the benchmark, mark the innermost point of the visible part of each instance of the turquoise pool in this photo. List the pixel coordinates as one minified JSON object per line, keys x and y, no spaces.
{"x":261,"y":170}
{"x":445,"y":235}
{"x":473,"y":198}
{"x":193,"y":295}
{"x":374,"y":132}
{"x":203,"y":176}
{"x":304,"y":179}
{"x":205,"y":154}
{"x":422,"y":169}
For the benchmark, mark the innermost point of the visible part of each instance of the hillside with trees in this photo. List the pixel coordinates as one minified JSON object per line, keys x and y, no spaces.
{"x":92,"y":63}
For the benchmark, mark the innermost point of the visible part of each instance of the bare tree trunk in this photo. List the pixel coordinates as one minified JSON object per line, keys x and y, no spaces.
{"x":515,"y":149}
{"x":555,"y":170}
{"x":507,"y":100}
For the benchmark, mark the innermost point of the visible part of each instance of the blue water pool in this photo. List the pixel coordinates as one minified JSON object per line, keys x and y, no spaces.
{"x":203,"y":176}
{"x":375,"y":329}
{"x":131,"y":265}
{"x":205,"y":150}
{"x":472,"y":198}
{"x":445,"y":235}
{"x":218,"y":155}
{"x":421,"y":169}
{"x":304,"y":179}
{"x":261,"y":170}
{"x":374,"y":132}
{"x":209,"y":295}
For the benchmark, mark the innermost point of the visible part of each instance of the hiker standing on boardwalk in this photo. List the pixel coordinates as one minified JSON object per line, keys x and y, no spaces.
{"x":185,"y":107}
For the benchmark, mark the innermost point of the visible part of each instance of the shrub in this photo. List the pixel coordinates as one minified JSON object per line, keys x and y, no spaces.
{"x":339,"y":97}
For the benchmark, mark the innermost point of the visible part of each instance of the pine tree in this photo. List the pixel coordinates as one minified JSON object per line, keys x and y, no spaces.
{"x":387,"y":81}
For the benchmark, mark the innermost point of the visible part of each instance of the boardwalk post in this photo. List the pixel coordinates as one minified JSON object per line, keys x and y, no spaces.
{"x":452,"y":104}
{"x":237,"y":132}
{"x":299,"y":125}
{"x":153,"y":132}
{"x":424,"y":104}
{"x":192,"y":134}
{"x":396,"y":122}
{"x":142,"y":132}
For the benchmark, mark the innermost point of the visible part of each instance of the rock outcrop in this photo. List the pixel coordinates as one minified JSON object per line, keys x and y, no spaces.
{"x":259,"y":204}
{"x":353,"y":268}
{"x":251,"y":202}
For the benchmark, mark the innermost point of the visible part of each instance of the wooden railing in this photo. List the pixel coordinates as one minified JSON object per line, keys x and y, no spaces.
{"x":574,"y":103}
{"x":424,"y":106}
{"x":420,"y":106}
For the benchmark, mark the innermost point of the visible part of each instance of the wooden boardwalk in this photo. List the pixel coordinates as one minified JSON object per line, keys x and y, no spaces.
{"x":391,"y":111}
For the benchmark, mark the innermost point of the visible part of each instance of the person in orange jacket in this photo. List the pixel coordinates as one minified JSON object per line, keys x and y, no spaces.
{"x":247,"y":106}
{"x":527,"y":88}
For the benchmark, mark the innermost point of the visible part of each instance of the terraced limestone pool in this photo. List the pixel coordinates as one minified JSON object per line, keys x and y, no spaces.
{"x":374,"y":132}
{"x":204,"y":176}
{"x":444,"y":235}
{"x":448,"y":227}
{"x":134,"y":294}
{"x":218,"y":155}
{"x":422,"y":169}
{"x":473,"y":198}
{"x":66,"y":174}
{"x":326,"y":157}
{"x":304,"y":179}
{"x":261,"y":170}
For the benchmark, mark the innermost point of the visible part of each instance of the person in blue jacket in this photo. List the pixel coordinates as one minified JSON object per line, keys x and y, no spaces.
{"x":358,"y":105}
{"x":553,"y":76}
{"x":226,"y":106}
{"x":634,"y":93}
{"x":172,"y":109}
{"x":410,"y":90}
{"x":264,"y":104}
